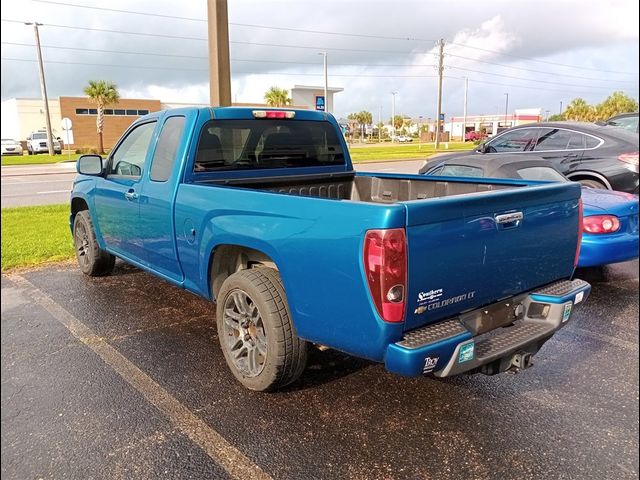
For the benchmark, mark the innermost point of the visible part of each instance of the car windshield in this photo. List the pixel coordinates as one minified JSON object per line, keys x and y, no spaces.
{"x":628,"y":123}
{"x":39,"y":136}
{"x":268,"y":143}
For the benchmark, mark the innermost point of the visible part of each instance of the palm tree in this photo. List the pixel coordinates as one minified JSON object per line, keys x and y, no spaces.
{"x":277,"y":97}
{"x":579,"y":110}
{"x":102,"y":93}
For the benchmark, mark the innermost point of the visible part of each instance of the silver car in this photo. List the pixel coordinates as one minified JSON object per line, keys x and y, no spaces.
{"x":11,"y":147}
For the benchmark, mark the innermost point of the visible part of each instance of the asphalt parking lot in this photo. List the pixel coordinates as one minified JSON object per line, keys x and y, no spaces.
{"x":122,"y":377}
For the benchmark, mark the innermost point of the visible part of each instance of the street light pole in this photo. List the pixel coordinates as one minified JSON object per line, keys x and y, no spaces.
{"x":326,"y":81}
{"x":43,"y":88}
{"x":440,"y":73}
{"x":464,"y":114}
{"x":379,"y":124}
{"x":393,"y":116}
{"x":560,"y":107}
{"x":506,"y":108}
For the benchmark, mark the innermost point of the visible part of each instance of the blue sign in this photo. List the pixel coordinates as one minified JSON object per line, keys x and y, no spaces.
{"x":320,"y":102}
{"x":442,"y":117}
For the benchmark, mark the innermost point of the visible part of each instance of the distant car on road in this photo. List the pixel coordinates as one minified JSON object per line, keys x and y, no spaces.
{"x":403,"y":139}
{"x":610,"y":221}
{"x":597,"y":156}
{"x":37,"y":143}
{"x":11,"y":147}
{"x":628,"y":121}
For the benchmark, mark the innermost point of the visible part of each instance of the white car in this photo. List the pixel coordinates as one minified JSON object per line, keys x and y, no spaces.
{"x":37,"y":143}
{"x":404,"y":139}
{"x":11,"y":147}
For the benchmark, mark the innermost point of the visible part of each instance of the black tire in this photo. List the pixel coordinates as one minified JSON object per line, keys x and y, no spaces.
{"x":29,"y":152}
{"x":92,"y":260}
{"x":590,"y":183}
{"x":285,"y":355}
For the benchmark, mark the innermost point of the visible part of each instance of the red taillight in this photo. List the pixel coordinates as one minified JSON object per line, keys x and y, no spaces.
{"x":601,"y":224}
{"x":630,"y":158}
{"x":385,"y":265}
{"x":580,"y":220}
{"x":274,"y":114}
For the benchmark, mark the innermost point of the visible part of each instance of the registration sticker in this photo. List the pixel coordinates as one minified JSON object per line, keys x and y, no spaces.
{"x":466,"y":353}
{"x":567,"y":312}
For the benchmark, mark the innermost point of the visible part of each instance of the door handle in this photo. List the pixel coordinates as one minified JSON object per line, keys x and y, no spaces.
{"x":131,"y":195}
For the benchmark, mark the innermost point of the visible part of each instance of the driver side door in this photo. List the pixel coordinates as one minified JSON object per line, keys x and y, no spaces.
{"x":117,"y":195}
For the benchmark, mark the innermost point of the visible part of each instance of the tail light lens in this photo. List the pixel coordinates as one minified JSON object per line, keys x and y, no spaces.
{"x":630,"y":158}
{"x":580,"y":227}
{"x":385,"y":263}
{"x":601,"y":224}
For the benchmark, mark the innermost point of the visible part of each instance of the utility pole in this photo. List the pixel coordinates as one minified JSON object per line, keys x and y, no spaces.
{"x":393,"y":116}
{"x":440,"y":73}
{"x":379,"y":124}
{"x":219,"y":66}
{"x":326,"y":82}
{"x":560,"y":107}
{"x":43,"y":88}
{"x":464,"y":110}
{"x":506,"y":108}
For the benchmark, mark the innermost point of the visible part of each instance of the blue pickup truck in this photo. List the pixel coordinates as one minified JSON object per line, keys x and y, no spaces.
{"x":260,"y":211}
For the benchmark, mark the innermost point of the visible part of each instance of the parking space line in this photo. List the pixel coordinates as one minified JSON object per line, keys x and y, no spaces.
{"x":210,"y":441}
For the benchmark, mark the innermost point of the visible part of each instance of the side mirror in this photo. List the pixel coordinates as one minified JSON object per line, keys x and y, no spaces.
{"x":89,"y":165}
{"x":482,"y":148}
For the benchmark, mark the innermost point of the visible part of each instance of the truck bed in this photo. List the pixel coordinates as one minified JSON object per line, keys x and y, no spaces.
{"x":365,"y":187}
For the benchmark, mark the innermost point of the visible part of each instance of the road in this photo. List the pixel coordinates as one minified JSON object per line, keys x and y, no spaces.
{"x":37,"y":184}
{"x":121,"y":377}
{"x":51,"y":184}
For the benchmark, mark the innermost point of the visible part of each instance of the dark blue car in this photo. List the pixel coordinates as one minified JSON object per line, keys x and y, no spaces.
{"x":610,"y":218}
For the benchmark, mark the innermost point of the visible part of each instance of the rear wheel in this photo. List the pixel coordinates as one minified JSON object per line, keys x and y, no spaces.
{"x":92,"y":260}
{"x":590,"y":183}
{"x":255,"y":330}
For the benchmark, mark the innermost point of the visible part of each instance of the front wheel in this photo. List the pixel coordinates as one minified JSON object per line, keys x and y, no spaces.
{"x":93,"y":261}
{"x":255,"y":330}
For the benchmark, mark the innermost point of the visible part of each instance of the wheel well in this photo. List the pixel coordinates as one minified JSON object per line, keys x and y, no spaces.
{"x":576,"y":177}
{"x":229,"y":259}
{"x":77,"y":205}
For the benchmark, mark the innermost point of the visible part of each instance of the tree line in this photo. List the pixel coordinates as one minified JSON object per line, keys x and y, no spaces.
{"x":580,"y":110}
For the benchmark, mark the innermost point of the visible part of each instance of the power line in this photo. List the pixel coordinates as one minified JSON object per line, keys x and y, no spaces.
{"x":180,"y":37}
{"x":310,"y":63}
{"x":579,"y":67}
{"x":536,"y":71}
{"x":267,"y":27}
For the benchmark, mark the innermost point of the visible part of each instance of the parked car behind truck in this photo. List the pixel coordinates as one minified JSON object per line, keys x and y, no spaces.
{"x":37,"y":143}
{"x":262,"y":212}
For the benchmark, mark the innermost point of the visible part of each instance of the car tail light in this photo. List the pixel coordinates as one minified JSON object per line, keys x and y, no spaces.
{"x":385,"y":264}
{"x":601,"y":224}
{"x":580,"y":227}
{"x":630,"y":158}
{"x":273,"y":114}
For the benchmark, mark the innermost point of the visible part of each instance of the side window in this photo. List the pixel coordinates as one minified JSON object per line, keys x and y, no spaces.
{"x":460,"y":171}
{"x":559,"y":139}
{"x":514,"y":141}
{"x":164,"y":156}
{"x":591,"y":142}
{"x":128,"y":159}
{"x":545,"y":174}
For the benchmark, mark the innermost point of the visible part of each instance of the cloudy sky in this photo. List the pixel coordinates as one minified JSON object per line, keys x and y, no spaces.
{"x":540,"y":52}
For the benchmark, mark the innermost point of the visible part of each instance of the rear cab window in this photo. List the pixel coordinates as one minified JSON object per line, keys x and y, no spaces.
{"x":266,"y":144}
{"x":460,"y":171}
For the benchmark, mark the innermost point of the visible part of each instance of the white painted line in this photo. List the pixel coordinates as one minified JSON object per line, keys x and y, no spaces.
{"x":215,"y":445}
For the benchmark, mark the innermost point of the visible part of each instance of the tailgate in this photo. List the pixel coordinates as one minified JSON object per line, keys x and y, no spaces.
{"x":466,"y":251}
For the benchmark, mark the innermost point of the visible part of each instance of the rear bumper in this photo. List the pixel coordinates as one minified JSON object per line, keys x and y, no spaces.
{"x":602,"y":249}
{"x":450,"y":347}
